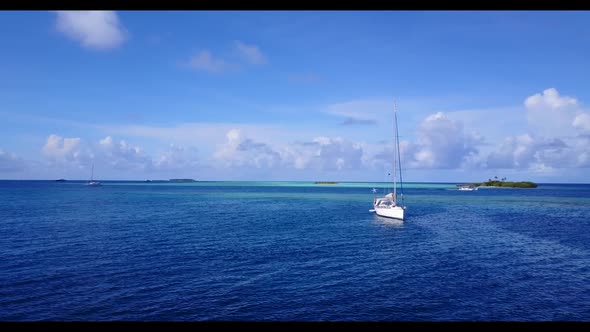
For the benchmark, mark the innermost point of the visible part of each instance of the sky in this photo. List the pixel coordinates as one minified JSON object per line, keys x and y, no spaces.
{"x":295,"y":95}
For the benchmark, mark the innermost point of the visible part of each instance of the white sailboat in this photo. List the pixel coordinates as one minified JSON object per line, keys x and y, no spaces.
{"x":93,"y":183}
{"x":388,"y":205}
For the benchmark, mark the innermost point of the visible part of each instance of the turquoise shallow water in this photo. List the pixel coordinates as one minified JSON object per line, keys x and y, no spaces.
{"x":279,"y":184}
{"x":291,"y":251}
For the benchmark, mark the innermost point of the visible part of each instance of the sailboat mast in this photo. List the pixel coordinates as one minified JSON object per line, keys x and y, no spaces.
{"x":92,"y":174}
{"x":399,"y":158}
{"x":394,"y":155}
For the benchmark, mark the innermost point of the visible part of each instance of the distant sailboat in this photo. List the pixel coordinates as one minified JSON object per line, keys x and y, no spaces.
{"x":388,"y":206}
{"x":92,"y":183}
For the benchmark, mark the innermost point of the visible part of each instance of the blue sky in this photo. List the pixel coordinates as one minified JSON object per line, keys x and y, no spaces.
{"x":289,"y":95}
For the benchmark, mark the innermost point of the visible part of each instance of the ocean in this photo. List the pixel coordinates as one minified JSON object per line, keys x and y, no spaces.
{"x":291,"y":251}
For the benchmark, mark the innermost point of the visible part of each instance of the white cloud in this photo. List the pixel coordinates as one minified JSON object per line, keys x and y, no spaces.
{"x":59,"y":146}
{"x":61,"y":150}
{"x":206,"y":135}
{"x":9,"y":162}
{"x":177,"y":158}
{"x":582,"y":123}
{"x":550,"y":98}
{"x":332,"y":154}
{"x":121,"y":155}
{"x":74,"y":152}
{"x":441,"y":143}
{"x":71,"y":155}
{"x":250,"y":53}
{"x":321,"y":154}
{"x":532,"y":152}
{"x":324,"y":154}
{"x":513,"y":152}
{"x":550,"y":144}
{"x":244,"y":152}
{"x":485,"y":121}
{"x":550,"y":114}
{"x":204,"y":60}
{"x":93,"y":29}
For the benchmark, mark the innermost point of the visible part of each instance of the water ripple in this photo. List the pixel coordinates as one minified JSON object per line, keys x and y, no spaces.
{"x":291,"y":252}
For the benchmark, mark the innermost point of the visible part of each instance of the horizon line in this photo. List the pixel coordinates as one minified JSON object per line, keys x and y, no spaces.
{"x":335,"y":182}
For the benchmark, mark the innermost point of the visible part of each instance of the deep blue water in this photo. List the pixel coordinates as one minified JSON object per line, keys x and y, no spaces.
{"x":291,"y":252}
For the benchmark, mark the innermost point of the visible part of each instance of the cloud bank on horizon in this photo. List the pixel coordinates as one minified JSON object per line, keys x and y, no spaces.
{"x":267,"y":133}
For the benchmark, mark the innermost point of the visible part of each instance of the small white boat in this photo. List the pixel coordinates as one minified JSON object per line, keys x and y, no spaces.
{"x":92,"y":183}
{"x":388,"y":205}
{"x":466,"y":187}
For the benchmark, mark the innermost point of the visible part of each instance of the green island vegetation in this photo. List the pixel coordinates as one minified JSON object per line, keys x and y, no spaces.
{"x":507,"y":184}
{"x":325,"y":182}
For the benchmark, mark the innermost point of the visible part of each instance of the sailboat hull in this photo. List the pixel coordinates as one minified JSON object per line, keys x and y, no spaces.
{"x":394,"y":212}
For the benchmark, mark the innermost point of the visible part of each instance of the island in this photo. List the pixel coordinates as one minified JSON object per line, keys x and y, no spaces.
{"x":182,"y":180}
{"x":325,"y":182}
{"x":502,"y":183}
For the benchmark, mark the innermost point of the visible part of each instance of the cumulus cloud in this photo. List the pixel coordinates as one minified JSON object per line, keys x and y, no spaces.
{"x":441,"y":143}
{"x":9,"y":162}
{"x":549,"y":98}
{"x":205,"y":61}
{"x":93,"y":29}
{"x":551,"y":143}
{"x":525,"y":150}
{"x":325,"y":153}
{"x":115,"y":154}
{"x":210,"y":132}
{"x":239,"y":151}
{"x":582,"y":123}
{"x":121,"y":155}
{"x":66,"y":150}
{"x":250,"y":53}
{"x":177,"y":158}
{"x":444,"y":143}
{"x":550,"y":114}
{"x":322,"y":153}
{"x":76,"y":152}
